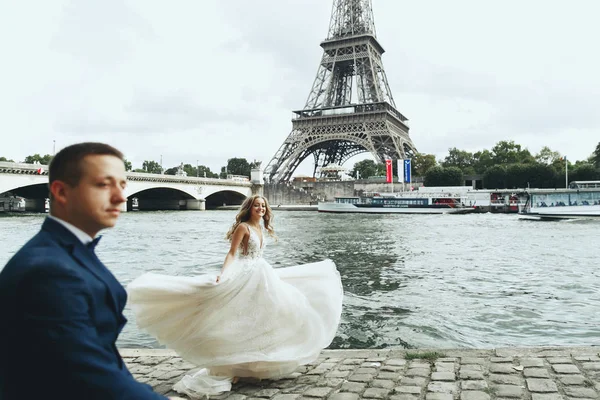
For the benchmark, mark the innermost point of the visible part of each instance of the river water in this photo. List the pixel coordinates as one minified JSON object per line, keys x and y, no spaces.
{"x":435,"y":281}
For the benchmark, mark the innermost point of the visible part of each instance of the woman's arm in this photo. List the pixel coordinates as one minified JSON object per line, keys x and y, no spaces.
{"x":240,"y":232}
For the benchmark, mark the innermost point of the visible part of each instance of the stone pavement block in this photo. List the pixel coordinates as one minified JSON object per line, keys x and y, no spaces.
{"x":474,"y":395}
{"x":282,"y":397}
{"x":442,"y":387}
{"x":391,"y":368}
{"x":531,"y":362}
{"x":320,"y":392}
{"x":416,"y":381}
{"x":418,"y":372}
{"x":408,"y":389}
{"x":594,"y":366}
{"x":266,"y":393}
{"x":443,"y":376}
{"x":571,"y":379}
{"x":470,"y":375}
{"x":536,"y":373}
{"x":395,"y":362}
{"x":419,"y":365}
{"x":581,"y":392}
{"x":343,"y":396}
{"x":404,"y":397}
{"x":506,"y":379}
{"x":392,"y":376}
{"x":471,"y":367}
{"x":471,"y":360}
{"x":361,"y":378}
{"x":376,"y":393}
{"x":509,"y":391}
{"x":541,"y":385}
{"x":473,"y":385}
{"x":382,"y":383}
{"x":546,"y":396}
{"x":337,"y":374}
{"x":353,"y":361}
{"x":444,"y":367}
{"x":366,"y":371}
{"x":331,"y":382}
{"x":591,"y":357}
{"x":354,"y":387}
{"x":560,"y":360}
{"x":565,"y":369}
{"x":501,"y":359}
{"x":502,"y":369}
{"x":439,"y":396}
{"x":346,"y":367}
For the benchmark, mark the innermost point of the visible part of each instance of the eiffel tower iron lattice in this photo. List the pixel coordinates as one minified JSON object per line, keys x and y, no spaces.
{"x":330,"y":126}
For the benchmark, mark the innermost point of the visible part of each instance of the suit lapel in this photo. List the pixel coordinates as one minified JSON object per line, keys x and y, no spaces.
{"x":85,"y":257}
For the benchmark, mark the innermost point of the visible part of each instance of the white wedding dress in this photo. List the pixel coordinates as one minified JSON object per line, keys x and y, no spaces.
{"x":257,"y":322}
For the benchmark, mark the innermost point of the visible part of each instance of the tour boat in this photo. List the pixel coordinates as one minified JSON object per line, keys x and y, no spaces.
{"x":399,"y":203}
{"x":581,"y":200}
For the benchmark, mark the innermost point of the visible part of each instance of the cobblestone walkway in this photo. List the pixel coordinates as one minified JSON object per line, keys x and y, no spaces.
{"x":510,"y":373}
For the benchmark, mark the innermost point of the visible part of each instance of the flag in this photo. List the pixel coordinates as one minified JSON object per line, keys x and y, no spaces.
{"x":40,"y":170}
{"x":388,"y":171}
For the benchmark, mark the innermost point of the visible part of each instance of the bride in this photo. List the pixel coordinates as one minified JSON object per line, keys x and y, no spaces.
{"x":252,"y":320}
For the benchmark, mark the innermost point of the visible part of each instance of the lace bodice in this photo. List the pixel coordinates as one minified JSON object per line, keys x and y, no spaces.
{"x":254,"y":248}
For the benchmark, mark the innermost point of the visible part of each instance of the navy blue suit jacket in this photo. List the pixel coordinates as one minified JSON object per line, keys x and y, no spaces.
{"x":61,"y":312}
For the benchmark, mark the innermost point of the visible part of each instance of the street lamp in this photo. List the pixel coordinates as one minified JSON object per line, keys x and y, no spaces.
{"x":197,"y":170}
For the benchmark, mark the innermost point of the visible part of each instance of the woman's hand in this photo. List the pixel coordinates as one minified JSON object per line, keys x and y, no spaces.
{"x":218,"y":278}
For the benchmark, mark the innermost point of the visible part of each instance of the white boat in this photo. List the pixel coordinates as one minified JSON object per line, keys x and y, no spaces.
{"x":12,"y":204}
{"x":398,"y":203}
{"x":580,"y":201}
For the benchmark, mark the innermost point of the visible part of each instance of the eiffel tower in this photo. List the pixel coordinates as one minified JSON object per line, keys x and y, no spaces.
{"x":330,"y":126}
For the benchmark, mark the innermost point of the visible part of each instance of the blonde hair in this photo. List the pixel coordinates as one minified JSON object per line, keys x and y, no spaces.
{"x":244,"y":216}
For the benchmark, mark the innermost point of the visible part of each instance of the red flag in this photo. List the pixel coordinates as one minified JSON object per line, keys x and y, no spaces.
{"x":388,"y":171}
{"x":40,"y":171}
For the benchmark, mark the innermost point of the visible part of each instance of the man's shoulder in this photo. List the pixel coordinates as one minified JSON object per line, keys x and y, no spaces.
{"x":40,"y":251}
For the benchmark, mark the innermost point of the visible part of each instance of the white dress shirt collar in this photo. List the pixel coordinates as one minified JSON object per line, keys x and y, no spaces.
{"x":79,"y":234}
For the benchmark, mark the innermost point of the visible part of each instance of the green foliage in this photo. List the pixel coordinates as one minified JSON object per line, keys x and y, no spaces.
{"x":508,"y":152}
{"x":427,"y":355}
{"x":421,"y":163}
{"x":366,"y":168}
{"x":151,"y":167}
{"x":495,"y":177}
{"x":547,"y":156}
{"x":460,"y":159}
{"x":128,"y":165}
{"x":44,"y":160}
{"x":6,"y":159}
{"x":440,"y":176}
{"x":584,"y":172}
{"x":238,"y":166}
{"x":595,"y":158}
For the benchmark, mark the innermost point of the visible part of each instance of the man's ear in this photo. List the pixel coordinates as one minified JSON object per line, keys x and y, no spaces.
{"x":59,"y":192}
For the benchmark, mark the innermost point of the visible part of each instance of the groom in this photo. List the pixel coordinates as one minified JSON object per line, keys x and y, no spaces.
{"x":60,"y":307}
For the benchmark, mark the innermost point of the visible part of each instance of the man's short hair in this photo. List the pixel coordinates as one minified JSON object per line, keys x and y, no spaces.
{"x":66,"y":164}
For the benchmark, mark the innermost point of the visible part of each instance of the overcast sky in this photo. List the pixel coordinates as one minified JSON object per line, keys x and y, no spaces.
{"x":208,"y":80}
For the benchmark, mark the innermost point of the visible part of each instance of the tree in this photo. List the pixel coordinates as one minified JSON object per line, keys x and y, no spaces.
{"x":44,"y":160}
{"x":495,"y":177}
{"x":151,"y":167}
{"x":236,"y":166}
{"x":595,"y":159}
{"x":584,"y":172}
{"x":364,"y":169}
{"x":508,"y":152}
{"x":547,"y":156}
{"x":461,"y":159}
{"x":441,"y":176}
{"x":6,"y":159}
{"x":128,"y":165}
{"x":421,"y":163}
{"x":482,"y":160}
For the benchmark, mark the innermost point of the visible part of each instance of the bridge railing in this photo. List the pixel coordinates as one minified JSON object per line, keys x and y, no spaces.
{"x":39,"y":169}
{"x":23,"y":168}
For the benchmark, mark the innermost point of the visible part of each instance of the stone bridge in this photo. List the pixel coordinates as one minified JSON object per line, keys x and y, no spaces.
{"x":146,"y":191}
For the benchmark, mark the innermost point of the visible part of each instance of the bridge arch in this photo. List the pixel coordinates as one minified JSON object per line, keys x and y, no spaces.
{"x":225,"y":198}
